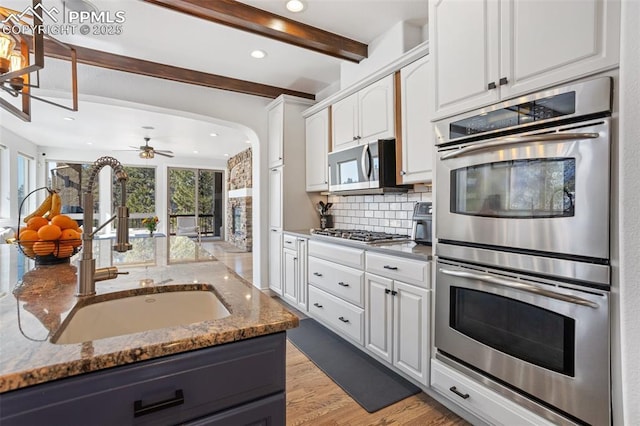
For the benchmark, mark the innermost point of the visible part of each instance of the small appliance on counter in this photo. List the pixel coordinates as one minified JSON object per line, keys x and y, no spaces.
{"x":422,"y":218}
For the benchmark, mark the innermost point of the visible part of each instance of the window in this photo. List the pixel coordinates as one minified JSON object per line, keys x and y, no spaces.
{"x":70,"y":180}
{"x":141,"y":194}
{"x":25,"y":183}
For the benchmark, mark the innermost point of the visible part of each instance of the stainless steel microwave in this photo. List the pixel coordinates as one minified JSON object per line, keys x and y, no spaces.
{"x":369,"y":167}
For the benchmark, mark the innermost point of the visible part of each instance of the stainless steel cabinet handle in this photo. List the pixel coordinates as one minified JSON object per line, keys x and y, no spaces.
{"x":457,"y":392}
{"x":518,"y":140}
{"x":343,"y":319}
{"x":343,"y":284}
{"x":530,"y":288}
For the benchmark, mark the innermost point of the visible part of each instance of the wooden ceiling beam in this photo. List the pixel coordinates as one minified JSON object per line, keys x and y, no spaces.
{"x":248,"y":18}
{"x":168,"y":72}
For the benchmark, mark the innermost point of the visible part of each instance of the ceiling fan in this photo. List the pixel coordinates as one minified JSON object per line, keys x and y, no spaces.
{"x":147,"y":151}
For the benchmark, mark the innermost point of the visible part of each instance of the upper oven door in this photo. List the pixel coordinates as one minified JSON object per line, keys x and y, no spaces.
{"x":544,"y":191}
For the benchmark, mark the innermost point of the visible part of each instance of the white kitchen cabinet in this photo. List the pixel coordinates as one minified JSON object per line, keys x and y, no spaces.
{"x":486,"y":51}
{"x":416,"y":133}
{"x":490,"y":406}
{"x":364,"y":116}
{"x":317,"y":142}
{"x":294,"y":271}
{"x":275,"y":260}
{"x":275,"y":146}
{"x":290,"y":206}
{"x":397,"y":312}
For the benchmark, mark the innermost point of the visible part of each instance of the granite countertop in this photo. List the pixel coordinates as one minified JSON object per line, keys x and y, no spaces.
{"x":407,"y":249}
{"x":35,"y":300}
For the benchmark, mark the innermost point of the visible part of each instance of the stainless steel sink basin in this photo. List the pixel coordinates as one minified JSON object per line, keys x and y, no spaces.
{"x":148,"y":309}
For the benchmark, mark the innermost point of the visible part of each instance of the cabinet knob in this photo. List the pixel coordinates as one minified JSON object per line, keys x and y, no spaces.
{"x":402,"y":173}
{"x":491,"y":85}
{"x":295,"y":258}
{"x":503,"y":81}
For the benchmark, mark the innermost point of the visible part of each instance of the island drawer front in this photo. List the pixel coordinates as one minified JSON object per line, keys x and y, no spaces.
{"x":342,"y":281}
{"x":408,"y":270}
{"x":348,"y":256}
{"x":338,"y":314}
{"x":210,"y":380}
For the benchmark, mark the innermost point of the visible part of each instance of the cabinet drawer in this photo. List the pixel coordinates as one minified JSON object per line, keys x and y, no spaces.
{"x":207,"y":380}
{"x":411,"y":271}
{"x":480,"y":400}
{"x":342,"y":281}
{"x":348,"y":256}
{"x":340,"y":315}
{"x":289,"y":242}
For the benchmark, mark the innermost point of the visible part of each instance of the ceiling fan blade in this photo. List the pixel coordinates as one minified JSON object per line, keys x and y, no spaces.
{"x":166,"y":151}
{"x":163,"y":154}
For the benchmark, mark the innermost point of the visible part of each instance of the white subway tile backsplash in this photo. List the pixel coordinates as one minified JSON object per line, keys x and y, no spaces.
{"x":380,"y":213}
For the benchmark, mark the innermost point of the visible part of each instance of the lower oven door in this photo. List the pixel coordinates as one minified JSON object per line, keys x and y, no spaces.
{"x":540,"y":192}
{"x":543,"y":339}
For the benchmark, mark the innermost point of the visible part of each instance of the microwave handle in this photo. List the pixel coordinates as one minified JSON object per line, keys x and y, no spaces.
{"x":518,"y":140}
{"x":520,"y":286}
{"x":365,"y":161}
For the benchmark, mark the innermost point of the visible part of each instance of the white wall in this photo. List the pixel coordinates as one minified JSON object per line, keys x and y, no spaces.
{"x":629,"y":215}
{"x":9,"y":174}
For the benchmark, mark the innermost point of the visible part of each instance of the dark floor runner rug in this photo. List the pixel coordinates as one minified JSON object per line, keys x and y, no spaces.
{"x":368,"y":382}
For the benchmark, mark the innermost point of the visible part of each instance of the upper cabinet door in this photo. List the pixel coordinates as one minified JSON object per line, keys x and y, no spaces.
{"x":376,"y":110}
{"x":463,"y":40}
{"x":344,"y":122}
{"x":275,"y":146}
{"x":417,"y":131}
{"x":550,"y":42}
{"x":317,"y":141}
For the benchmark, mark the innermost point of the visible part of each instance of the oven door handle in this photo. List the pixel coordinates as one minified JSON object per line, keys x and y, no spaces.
{"x":518,"y":140}
{"x":520,"y":286}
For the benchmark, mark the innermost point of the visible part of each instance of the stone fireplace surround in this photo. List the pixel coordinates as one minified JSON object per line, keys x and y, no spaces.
{"x":239,"y":208}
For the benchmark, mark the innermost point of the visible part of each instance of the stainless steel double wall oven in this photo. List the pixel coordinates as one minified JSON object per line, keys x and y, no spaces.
{"x":523,"y":276}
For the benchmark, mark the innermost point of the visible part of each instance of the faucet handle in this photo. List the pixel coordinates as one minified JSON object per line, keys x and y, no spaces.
{"x":107,"y":273}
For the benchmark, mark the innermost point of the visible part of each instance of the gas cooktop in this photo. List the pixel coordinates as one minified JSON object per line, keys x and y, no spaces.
{"x":361,"y":235}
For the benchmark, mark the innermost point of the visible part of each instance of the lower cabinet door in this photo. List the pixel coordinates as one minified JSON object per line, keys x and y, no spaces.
{"x":275,"y":260}
{"x":411,"y":330}
{"x":264,"y":412}
{"x":289,"y":275}
{"x":378,"y":316}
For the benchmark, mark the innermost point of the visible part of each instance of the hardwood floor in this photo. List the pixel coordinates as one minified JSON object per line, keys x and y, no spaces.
{"x":314,"y":399}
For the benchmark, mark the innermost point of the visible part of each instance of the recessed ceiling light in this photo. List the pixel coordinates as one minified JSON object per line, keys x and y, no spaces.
{"x":247,"y":141}
{"x":258,"y":54}
{"x":226,"y":155}
{"x":213,"y":134}
{"x":295,"y":6}
{"x":69,"y":118}
{"x":89,"y":143}
{"x":195,"y":152}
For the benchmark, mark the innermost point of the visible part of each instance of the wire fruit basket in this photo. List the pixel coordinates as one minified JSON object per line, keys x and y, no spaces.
{"x":49,"y":237}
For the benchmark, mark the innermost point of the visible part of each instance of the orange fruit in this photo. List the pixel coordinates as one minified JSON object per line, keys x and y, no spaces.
{"x":37,"y":222}
{"x":28,"y":251}
{"x":49,"y":232}
{"x":63,"y":250}
{"x":43,"y":248}
{"x":71,"y":237}
{"x":22,"y":228}
{"x":63,"y":221}
{"x":27,"y":237}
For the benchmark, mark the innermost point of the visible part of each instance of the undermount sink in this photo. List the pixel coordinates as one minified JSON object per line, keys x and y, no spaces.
{"x":148,"y":309}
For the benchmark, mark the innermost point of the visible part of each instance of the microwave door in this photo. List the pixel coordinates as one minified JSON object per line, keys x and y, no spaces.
{"x":349,"y":169}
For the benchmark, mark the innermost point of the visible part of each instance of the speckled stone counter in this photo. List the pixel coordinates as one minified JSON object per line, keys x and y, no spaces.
{"x":407,"y":249}
{"x":35,"y":300}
